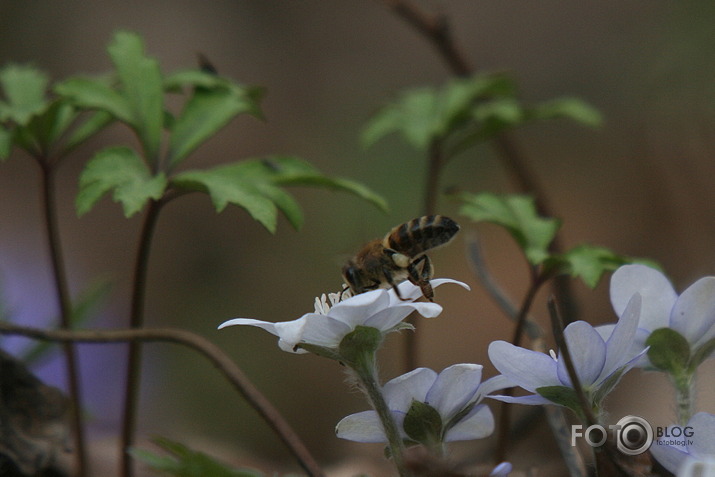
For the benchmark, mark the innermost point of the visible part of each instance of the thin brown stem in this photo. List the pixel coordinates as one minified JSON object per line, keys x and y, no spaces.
{"x":505,"y":408}
{"x":209,"y":350}
{"x":133,"y":378}
{"x":65,"y":305}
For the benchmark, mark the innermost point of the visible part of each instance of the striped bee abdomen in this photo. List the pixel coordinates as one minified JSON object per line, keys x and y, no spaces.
{"x":421,"y":234}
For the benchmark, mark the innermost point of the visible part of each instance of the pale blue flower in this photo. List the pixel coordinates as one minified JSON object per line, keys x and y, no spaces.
{"x":692,"y":313}
{"x":455,"y":394}
{"x":600,"y":363}
{"x":328,"y":325}
{"x":688,"y":447}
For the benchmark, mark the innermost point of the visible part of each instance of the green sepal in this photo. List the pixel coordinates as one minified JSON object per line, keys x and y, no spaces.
{"x":360,"y":346}
{"x":185,"y":462}
{"x":669,"y":351}
{"x":322,"y":351}
{"x":517,"y":214}
{"x":701,"y":353}
{"x":423,"y":424}
{"x":607,"y":386}
{"x":122,"y":170}
{"x":562,"y":395}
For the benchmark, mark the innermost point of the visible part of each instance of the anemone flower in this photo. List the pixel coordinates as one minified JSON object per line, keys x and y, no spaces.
{"x":325,"y":328}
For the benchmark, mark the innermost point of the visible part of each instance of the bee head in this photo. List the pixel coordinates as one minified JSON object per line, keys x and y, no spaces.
{"x":353,"y":277}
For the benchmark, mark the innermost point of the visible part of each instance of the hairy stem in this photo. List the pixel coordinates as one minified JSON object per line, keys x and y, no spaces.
{"x":684,"y":396}
{"x":136,"y":321}
{"x":209,"y":350}
{"x":65,"y":305}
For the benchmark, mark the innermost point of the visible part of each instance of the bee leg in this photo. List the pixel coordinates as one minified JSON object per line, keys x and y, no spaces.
{"x":389,"y":279}
{"x":422,"y":278}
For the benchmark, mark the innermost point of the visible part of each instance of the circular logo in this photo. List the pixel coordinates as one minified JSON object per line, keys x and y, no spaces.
{"x":634,"y":435}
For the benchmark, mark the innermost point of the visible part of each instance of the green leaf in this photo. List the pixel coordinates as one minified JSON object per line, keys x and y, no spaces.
{"x":517,"y":214}
{"x":185,"y":462}
{"x":669,"y":351}
{"x":45,"y":130}
{"x":424,"y":115}
{"x":568,"y":108}
{"x":204,"y":114}
{"x":5,"y":143}
{"x":97,"y":121}
{"x":590,"y":262}
{"x":24,"y":88}
{"x":254,"y":185}
{"x":423,"y":423}
{"x":122,"y":170}
{"x":142,"y":88}
{"x":96,"y":94}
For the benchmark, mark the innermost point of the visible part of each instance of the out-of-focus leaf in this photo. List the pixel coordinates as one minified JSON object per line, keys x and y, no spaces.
{"x":47,"y":128}
{"x":254,"y":185}
{"x":97,"y":121}
{"x":424,"y":115}
{"x":204,"y":114}
{"x":83,"y":310}
{"x":185,"y":462}
{"x":569,"y":108}
{"x":122,"y":170}
{"x":5,"y":143}
{"x":24,"y":89}
{"x":142,"y":87}
{"x":517,"y":214}
{"x":96,"y":94}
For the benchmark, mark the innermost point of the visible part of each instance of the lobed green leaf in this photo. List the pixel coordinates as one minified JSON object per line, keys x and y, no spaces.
{"x":122,"y":170}
{"x":96,"y":94}
{"x":517,"y":214}
{"x":24,"y":89}
{"x":142,"y":87}
{"x":255,"y":185}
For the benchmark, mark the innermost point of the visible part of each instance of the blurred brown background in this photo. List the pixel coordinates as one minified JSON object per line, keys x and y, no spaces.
{"x":640,"y":185}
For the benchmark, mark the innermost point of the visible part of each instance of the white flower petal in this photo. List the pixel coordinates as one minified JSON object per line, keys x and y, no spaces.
{"x":693,"y":315}
{"x":323,"y":330}
{"x":477,"y":424}
{"x":356,"y":309}
{"x":289,"y":332}
{"x":620,"y":343}
{"x":694,"y":467}
{"x":454,"y":388}
{"x":365,"y":427}
{"x":408,"y":291}
{"x":400,"y":391}
{"x":386,"y":319}
{"x":588,"y":353}
{"x":525,"y":368}
{"x":656,"y":291}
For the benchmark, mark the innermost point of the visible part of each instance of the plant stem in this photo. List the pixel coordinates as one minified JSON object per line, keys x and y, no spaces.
{"x":209,"y":350}
{"x":65,"y":304}
{"x":684,"y":396}
{"x":366,"y":372}
{"x":505,"y":408}
{"x":136,"y":321}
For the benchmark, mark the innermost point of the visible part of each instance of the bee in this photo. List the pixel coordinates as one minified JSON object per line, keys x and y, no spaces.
{"x":400,"y":256}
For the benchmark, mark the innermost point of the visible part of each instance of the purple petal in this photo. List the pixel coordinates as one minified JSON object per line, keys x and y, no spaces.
{"x":493,"y":384}
{"x":525,"y":368}
{"x":477,"y":424}
{"x":669,"y":457}
{"x":588,"y":353}
{"x":693,"y":315}
{"x":530,"y":400}
{"x":454,"y":388}
{"x":400,"y":391}
{"x":703,"y":425}
{"x":620,"y":343}
{"x":656,"y":291}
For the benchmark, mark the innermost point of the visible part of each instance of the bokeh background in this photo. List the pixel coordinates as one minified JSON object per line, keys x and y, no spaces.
{"x":641,"y":185}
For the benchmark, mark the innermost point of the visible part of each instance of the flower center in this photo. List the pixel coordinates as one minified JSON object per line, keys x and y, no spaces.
{"x":322,"y":307}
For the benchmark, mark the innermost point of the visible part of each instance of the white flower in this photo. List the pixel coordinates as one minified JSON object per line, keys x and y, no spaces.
{"x":454,"y":395}
{"x":692,"y":314}
{"x":328,"y":325}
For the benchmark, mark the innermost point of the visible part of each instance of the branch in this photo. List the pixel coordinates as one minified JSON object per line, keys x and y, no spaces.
{"x":209,"y":350}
